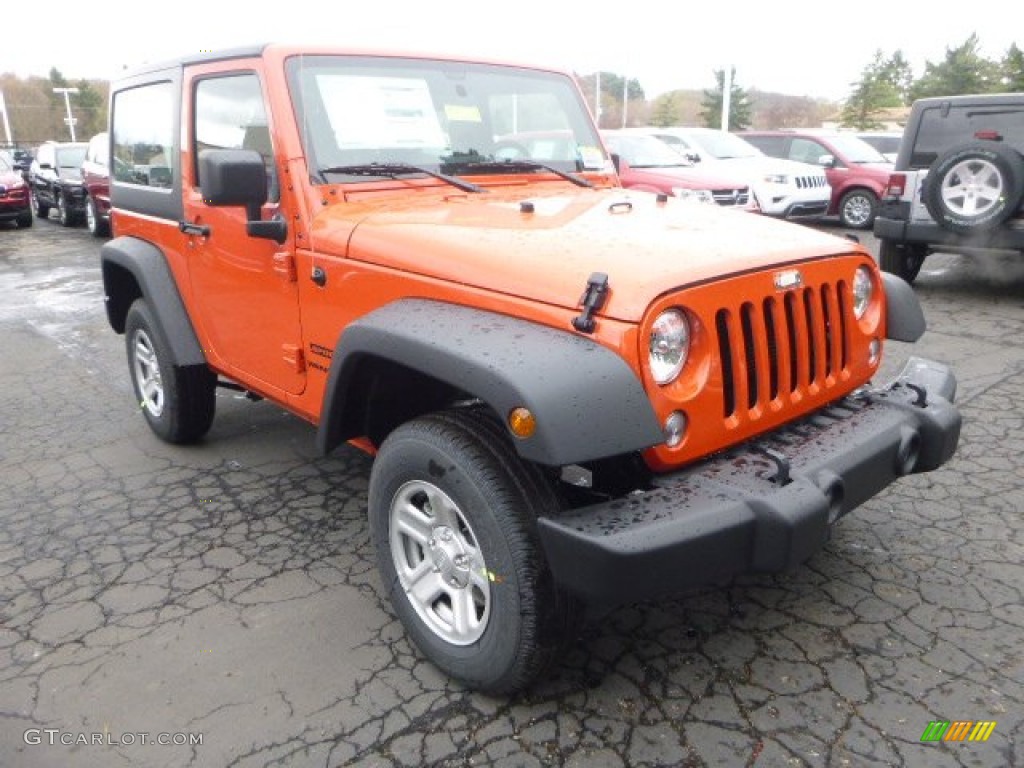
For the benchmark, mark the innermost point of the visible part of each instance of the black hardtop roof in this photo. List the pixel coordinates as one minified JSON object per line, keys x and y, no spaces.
{"x":971,"y":99}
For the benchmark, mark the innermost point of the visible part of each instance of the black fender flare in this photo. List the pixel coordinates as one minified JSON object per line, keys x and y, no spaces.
{"x":587,"y":401}
{"x":148,"y":267}
{"x":904,"y":317}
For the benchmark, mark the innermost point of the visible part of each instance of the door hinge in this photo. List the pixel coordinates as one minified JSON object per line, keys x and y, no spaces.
{"x":294,"y":357}
{"x":284,"y":265}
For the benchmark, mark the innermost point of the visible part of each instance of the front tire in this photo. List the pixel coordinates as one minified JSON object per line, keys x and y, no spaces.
{"x":857,"y":209}
{"x":177,"y":401}
{"x":453,"y":518}
{"x":902,"y":260}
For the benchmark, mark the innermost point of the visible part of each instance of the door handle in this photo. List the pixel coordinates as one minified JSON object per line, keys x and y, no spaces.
{"x":194,"y":229}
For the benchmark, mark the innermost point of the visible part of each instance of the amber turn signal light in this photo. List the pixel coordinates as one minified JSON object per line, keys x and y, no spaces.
{"x":522,"y":422}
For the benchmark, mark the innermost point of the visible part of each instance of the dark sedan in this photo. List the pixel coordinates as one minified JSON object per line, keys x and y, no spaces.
{"x":56,"y":182}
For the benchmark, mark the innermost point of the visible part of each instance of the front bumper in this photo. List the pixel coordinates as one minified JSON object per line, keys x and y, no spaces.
{"x":764,"y":506}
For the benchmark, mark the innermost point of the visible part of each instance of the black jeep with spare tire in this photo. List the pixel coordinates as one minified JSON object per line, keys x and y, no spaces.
{"x":958,"y":184}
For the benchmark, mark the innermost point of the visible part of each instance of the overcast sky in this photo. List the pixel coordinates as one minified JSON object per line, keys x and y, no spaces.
{"x":802,"y":47}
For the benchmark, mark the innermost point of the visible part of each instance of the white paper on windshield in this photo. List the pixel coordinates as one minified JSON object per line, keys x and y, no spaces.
{"x":379,"y":111}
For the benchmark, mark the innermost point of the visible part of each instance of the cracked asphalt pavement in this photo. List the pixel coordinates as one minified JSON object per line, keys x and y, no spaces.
{"x":226,"y":592}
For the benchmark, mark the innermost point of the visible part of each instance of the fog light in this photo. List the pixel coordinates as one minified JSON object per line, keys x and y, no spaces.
{"x":874,"y":351}
{"x":522,"y":422}
{"x":675,"y":428}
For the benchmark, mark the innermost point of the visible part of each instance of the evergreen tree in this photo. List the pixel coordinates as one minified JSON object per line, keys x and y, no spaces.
{"x":91,"y":109}
{"x":898,"y":72}
{"x":739,"y":106}
{"x":964,"y":70}
{"x":1012,"y":70}
{"x":876,"y":91}
{"x":666,"y":110}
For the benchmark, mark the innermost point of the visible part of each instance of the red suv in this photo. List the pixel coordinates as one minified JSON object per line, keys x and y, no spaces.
{"x":856,"y":171}
{"x":96,"y":180}
{"x":646,"y":163}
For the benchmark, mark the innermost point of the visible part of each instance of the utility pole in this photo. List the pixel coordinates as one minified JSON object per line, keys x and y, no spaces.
{"x":625,"y":99}
{"x":70,"y":120}
{"x":597,"y":98}
{"x":7,"y":124}
{"x":726,"y":96}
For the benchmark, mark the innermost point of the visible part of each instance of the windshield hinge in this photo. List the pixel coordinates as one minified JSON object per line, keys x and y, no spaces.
{"x":592,"y":300}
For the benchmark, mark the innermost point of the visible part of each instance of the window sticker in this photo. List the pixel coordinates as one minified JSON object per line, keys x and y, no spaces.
{"x":593,"y":159}
{"x":369,"y":112}
{"x":462,"y":113}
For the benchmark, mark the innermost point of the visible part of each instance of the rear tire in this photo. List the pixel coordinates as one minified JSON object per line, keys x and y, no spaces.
{"x":39,"y":208}
{"x":857,"y":209}
{"x":902,"y":260}
{"x":97,"y":226}
{"x":64,"y":216}
{"x":177,"y":401}
{"x":453,"y":513}
{"x":25,"y":220}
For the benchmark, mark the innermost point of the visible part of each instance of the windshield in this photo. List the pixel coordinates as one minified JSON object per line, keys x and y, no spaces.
{"x":70,"y":157}
{"x":644,"y":151}
{"x":724,"y":146}
{"x":856,"y":150}
{"x":442,"y":116}
{"x":5,"y":167}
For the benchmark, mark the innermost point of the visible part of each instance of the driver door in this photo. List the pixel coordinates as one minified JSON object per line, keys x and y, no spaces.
{"x":245,"y":286}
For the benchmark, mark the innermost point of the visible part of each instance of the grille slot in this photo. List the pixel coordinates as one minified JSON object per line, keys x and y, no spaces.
{"x":731,"y":196}
{"x":781,"y":346}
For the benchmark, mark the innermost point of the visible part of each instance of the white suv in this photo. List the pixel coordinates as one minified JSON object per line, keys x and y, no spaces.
{"x":783,"y":188}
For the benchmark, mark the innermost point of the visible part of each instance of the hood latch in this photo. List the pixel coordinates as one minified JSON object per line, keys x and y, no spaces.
{"x":592,"y":300}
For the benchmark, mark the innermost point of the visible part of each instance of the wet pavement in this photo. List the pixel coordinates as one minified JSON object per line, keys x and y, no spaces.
{"x":225,"y":593}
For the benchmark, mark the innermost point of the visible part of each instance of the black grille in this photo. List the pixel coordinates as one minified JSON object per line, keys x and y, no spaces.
{"x":781,"y":345}
{"x":807,"y":182}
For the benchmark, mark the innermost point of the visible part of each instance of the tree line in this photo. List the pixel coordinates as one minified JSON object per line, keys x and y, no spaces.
{"x":37,"y":114}
{"x":886,"y":83}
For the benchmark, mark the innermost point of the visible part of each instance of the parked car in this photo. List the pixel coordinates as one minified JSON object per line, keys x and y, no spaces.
{"x":55,"y":179}
{"x":96,"y":180}
{"x":886,"y":142}
{"x":19,"y":157}
{"x":856,"y":171}
{"x":14,"y":197}
{"x":645,"y":163}
{"x":958,"y":184}
{"x":783,"y":188}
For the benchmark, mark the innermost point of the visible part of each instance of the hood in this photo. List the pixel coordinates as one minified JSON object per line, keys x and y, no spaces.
{"x":487,"y":241}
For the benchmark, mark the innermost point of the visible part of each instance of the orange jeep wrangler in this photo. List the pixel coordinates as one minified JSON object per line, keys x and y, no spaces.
{"x":576,"y":394}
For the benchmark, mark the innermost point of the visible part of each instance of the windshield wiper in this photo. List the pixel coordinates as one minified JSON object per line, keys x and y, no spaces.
{"x":530,"y":165}
{"x":393,"y":170}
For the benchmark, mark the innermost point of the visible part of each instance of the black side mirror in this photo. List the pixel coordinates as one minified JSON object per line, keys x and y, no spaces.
{"x":615,"y":161}
{"x":239,"y":177}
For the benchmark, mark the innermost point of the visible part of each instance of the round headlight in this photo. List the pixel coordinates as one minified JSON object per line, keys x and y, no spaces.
{"x":863,"y":289}
{"x":669,"y":344}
